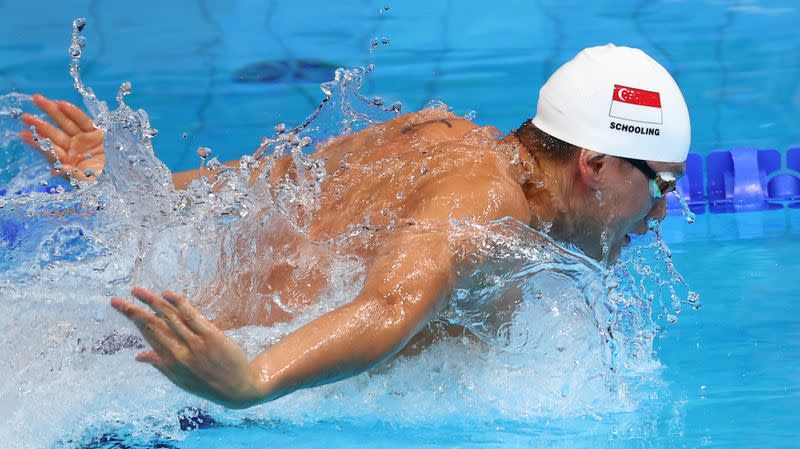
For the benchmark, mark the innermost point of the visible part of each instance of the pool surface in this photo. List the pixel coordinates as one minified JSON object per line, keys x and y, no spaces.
{"x":223,"y":74}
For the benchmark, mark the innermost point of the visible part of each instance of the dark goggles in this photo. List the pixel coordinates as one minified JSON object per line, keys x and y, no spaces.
{"x":659,"y":186}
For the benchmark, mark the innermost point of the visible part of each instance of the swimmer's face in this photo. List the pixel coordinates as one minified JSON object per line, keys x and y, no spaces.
{"x":625,"y":203}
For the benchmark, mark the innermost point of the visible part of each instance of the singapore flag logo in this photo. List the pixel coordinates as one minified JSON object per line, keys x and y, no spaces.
{"x":637,"y":105}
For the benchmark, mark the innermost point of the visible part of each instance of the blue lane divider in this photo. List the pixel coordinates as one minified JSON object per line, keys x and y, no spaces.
{"x":740,"y":180}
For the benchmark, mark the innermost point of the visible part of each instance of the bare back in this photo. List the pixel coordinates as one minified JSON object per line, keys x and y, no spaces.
{"x":386,"y":176}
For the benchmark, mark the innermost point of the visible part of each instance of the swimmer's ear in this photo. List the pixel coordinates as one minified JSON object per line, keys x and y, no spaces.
{"x":591,"y":168}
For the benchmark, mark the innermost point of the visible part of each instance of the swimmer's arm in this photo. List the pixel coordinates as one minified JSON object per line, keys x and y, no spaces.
{"x":280,"y":167}
{"x":182,"y":179}
{"x":74,"y":136}
{"x":406,"y":285}
{"x":404,"y":289}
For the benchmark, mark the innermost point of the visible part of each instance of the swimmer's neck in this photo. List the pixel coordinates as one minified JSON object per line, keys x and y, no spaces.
{"x":555,"y":198}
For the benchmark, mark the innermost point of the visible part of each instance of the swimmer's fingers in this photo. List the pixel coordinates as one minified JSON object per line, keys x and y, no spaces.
{"x":46,"y":130}
{"x":27,"y":136}
{"x":54,"y":111}
{"x":193,"y":319}
{"x":77,"y":116}
{"x":153,"y":329}
{"x":168,"y":314}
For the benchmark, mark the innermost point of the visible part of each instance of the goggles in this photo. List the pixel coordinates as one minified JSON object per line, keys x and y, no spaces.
{"x":660,"y":184}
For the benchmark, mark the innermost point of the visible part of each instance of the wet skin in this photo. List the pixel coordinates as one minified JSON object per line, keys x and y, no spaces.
{"x":416,"y":172}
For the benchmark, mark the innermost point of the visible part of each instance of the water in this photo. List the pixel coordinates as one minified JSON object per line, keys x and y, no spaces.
{"x":720,"y":376}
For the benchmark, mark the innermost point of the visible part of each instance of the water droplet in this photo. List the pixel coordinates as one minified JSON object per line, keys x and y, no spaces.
{"x":280,"y":128}
{"x":424,"y":170}
{"x":204,"y":152}
{"x":87,"y":155}
{"x":373,"y":42}
{"x":470,"y":115}
{"x":125,"y":88}
{"x":376,"y":101}
{"x":305,"y":141}
{"x":184,"y":135}
{"x":400,"y":195}
{"x":385,"y":9}
{"x":88,"y":172}
{"x":58,"y":166}
{"x":75,"y":50}
{"x":385,"y":40}
{"x":213,"y":164}
{"x":79,"y":24}
{"x":43,"y":182}
{"x":149,"y":133}
{"x":396,"y":106}
{"x":15,"y":113}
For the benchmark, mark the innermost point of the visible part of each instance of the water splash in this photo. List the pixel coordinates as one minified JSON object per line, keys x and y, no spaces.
{"x":557,"y":335}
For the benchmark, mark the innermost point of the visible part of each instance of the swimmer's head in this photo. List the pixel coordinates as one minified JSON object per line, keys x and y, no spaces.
{"x":614,"y":125}
{"x":617,"y":101}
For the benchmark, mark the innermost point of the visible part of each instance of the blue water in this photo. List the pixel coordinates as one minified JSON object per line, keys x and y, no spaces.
{"x":730,"y":375}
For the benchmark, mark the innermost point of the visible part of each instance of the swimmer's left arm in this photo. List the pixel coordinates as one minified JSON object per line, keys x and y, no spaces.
{"x":404,"y":289}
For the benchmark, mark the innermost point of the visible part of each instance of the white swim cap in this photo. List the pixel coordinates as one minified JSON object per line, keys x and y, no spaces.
{"x":616,"y":101}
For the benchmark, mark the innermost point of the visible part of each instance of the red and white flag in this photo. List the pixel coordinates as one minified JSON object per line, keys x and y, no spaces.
{"x":637,"y":105}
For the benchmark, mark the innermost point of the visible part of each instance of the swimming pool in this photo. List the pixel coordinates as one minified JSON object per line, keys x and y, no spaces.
{"x":730,"y":375}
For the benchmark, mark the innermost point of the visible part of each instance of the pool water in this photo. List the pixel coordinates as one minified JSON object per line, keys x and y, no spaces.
{"x":223,"y":74}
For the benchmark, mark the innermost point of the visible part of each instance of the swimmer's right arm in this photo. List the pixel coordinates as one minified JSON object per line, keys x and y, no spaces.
{"x":78,"y":145}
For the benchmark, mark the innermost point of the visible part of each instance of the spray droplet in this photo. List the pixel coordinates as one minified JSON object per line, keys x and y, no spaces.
{"x":396,"y":106}
{"x":79,"y":24}
{"x":213,"y":164}
{"x":88,"y":172}
{"x":75,"y":50}
{"x":280,"y":128}
{"x":87,"y":155}
{"x":377,"y":101}
{"x":383,"y":10}
{"x":373,"y":43}
{"x":305,"y":141}
{"x":470,"y":115}
{"x":15,"y":112}
{"x":687,"y":213}
{"x":204,"y":152}
{"x":385,"y":40}
{"x":149,"y":133}
{"x":43,"y":183}
{"x":184,"y":135}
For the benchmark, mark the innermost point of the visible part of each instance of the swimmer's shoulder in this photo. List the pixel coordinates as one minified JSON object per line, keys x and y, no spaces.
{"x":476,"y":183}
{"x":434,"y":124}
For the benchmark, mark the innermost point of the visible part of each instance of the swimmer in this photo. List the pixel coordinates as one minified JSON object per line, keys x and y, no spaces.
{"x":609,"y":138}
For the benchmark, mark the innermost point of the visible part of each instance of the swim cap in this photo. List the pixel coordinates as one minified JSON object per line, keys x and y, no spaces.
{"x":617,"y":101}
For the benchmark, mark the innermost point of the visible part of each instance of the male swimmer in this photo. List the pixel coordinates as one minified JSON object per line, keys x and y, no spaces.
{"x":609,"y":139}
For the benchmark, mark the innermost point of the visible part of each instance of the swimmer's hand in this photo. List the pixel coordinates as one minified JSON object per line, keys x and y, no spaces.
{"x":78,"y":145}
{"x":193,"y":353}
